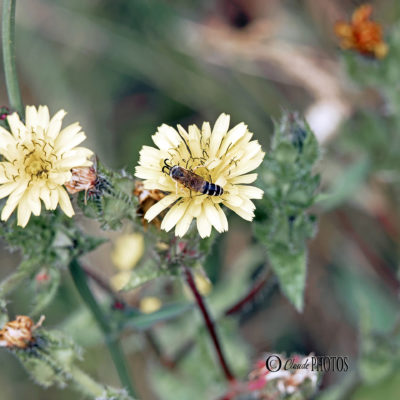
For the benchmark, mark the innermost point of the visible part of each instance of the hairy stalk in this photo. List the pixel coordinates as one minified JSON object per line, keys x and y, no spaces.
{"x":85,"y":383}
{"x":80,"y":280}
{"x":8,"y":44}
{"x":209,"y":324}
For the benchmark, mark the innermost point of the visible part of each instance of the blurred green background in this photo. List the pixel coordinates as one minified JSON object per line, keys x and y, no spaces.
{"x":122,"y":68}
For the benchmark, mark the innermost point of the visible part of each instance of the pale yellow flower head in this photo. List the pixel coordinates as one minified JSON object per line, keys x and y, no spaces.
{"x":221,"y":156}
{"x":149,"y":304}
{"x":128,"y":250}
{"x":120,"y":280}
{"x":38,"y":157}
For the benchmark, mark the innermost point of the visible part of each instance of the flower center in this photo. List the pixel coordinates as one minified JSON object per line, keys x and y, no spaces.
{"x":35,"y":165}
{"x":37,"y":158}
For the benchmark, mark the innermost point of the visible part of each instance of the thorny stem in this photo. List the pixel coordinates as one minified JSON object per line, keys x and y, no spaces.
{"x":80,"y":280}
{"x":209,"y":324}
{"x":8,"y":44}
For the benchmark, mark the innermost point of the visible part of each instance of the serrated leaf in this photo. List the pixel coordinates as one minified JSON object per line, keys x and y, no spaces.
{"x":291,"y":271}
{"x":283,"y":224}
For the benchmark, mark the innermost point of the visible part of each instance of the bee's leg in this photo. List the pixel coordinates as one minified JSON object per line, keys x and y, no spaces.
{"x":85,"y":201}
{"x":176,"y":187}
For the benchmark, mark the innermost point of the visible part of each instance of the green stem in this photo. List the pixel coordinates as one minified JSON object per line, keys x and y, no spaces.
{"x":80,"y":280}
{"x":8,"y":44}
{"x":85,"y":383}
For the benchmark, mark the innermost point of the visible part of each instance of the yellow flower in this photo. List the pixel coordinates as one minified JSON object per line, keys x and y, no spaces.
{"x":38,"y":160}
{"x":150,"y":304}
{"x":128,"y":250}
{"x":221,"y":156}
{"x":120,"y":280}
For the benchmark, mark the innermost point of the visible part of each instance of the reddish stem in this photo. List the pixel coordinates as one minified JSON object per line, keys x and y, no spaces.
{"x":209,"y":324}
{"x":249,"y":296}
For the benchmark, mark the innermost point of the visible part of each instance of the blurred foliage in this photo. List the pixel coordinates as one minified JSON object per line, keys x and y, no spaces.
{"x":282,"y":223}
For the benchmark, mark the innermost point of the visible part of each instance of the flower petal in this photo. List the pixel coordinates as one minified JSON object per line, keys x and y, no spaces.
{"x":249,"y":178}
{"x":7,"y":188}
{"x":45,"y":196}
{"x":251,"y":192}
{"x":8,"y":144}
{"x":18,"y":129}
{"x":213,"y":216}
{"x":65,"y":202}
{"x":220,"y":129}
{"x":203,"y":225}
{"x":183,"y":225}
{"x":43,"y":117}
{"x":174,"y":215}
{"x":31,"y":117}
{"x":13,"y":200}
{"x":161,"y":205}
{"x":24,"y":212}
{"x":55,"y":124}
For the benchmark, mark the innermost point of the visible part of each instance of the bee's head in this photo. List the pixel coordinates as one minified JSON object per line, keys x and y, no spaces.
{"x":176,"y":172}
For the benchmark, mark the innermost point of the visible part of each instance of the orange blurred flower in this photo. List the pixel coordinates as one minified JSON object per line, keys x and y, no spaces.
{"x":362,"y":34}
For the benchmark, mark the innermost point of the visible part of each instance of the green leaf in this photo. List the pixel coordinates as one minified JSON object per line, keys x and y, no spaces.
{"x":283,"y":224}
{"x":141,"y":321}
{"x":291,"y":271}
{"x":145,"y":273}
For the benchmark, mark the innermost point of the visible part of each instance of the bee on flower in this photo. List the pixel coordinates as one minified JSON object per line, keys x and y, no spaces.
{"x":362,"y":34}
{"x":38,"y":158}
{"x":19,"y":333}
{"x":201,"y":169}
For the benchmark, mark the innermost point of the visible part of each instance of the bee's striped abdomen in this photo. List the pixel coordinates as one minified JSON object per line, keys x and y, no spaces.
{"x":211,"y":189}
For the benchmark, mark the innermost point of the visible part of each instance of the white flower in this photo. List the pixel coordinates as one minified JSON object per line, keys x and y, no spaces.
{"x":38,"y":160}
{"x":221,"y":156}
